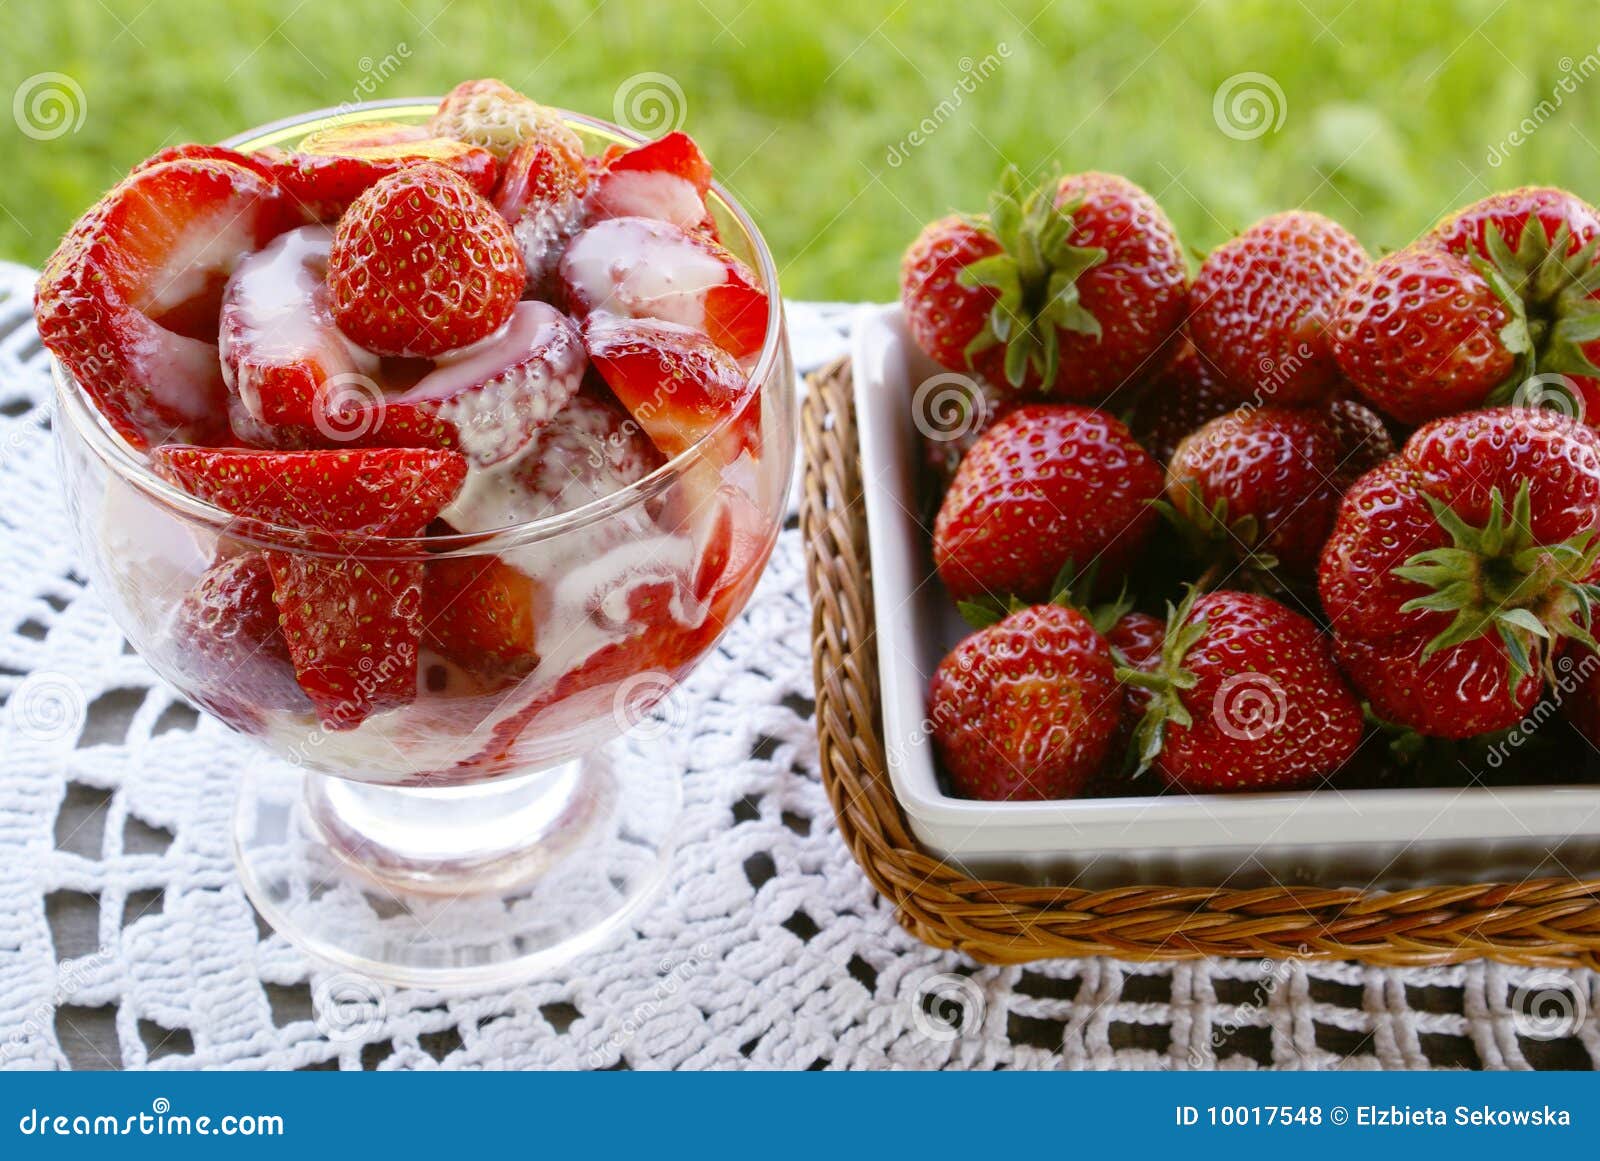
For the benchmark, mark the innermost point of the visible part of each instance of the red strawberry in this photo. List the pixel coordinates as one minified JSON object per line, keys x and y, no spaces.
{"x":353,"y":626}
{"x":1181,"y":397}
{"x":593,"y":448}
{"x":1422,"y":334}
{"x":1539,"y":249}
{"x":421,"y":264}
{"x":1026,"y":708}
{"x":491,"y":114}
{"x":194,"y":152}
{"x":1073,"y":290}
{"x":950,"y":413}
{"x":1245,"y":696}
{"x":1506,"y":214}
{"x":666,"y":179}
{"x":231,"y":646}
{"x":391,"y":492}
{"x":1459,"y":692}
{"x":481,"y":613}
{"x":129,"y":301}
{"x":1577,"y":688}
{"x":675,"y":381}
{"x":590,"y":449}
{"x":638,"y":268}
{"x":1262,"y":302}
{"x":1046,"y":486}
{"x":486,"y":400}
{"x":332,"y":167}
{"x":351,"y":615}
{"x":280,"y":348}
{"x":1453,"y":569}
{"x":1263,"y":485}
{"x":1136,"y":638}
{"x":541,"y":195}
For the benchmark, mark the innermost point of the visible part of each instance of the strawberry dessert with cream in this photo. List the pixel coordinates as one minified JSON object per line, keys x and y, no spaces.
{"x":468,"y":417}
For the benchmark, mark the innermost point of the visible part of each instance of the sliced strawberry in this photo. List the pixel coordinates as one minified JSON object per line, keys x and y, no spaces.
{"x":351,"y":617}
{"x":482,"y":614}
{"x":231,"y":646}
{"x":279,"y":345}
{"x":492,"y":114}
{"x":353,"y":626}
{"x":359,"y":138}
{"x":486,"y":400}
{"x":129,"y":301}
{"x":371,"y":492}
{"x":591,"y":449}
{"x":675,"y":381}
{"x":666,"y":179}
{"x":640,"y":268}
{"x":335,"y":166}
{"x":541,"y":195}
{"x":194,"y":152}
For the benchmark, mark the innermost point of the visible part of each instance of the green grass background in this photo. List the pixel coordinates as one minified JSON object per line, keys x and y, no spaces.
{"x":1389,"y":109}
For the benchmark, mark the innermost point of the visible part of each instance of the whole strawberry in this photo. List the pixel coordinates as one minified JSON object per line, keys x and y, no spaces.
{"x":422,"y":264}
{"x":1455,"y":569}
{"x":1422,"y":334}
{"x":1026,"y":708}
{"x":1539,"y":251}
{"x":1178,"y":399}
{"x":1262,"y":486}
{"x":1244,"y":695}
{"x":490,"y":113}
{"x":1262,"y":302}
{"x":1048,"y":485}
{"x":1071,"y":290}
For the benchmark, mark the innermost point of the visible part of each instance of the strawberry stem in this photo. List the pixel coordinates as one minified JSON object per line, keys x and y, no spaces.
{"x":1035,"y":275}
{"x":1497,"y":578}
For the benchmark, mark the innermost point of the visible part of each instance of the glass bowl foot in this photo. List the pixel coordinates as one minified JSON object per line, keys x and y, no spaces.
{"x":451,"y":887}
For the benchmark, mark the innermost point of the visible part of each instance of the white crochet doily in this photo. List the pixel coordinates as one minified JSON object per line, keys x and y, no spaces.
{"x":125,"y":940}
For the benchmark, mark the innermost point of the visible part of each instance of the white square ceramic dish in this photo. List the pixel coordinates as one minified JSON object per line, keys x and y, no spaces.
{"x":1325,"y":837}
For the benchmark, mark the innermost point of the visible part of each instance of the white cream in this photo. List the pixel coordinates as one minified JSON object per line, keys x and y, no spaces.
{"x":274,"y":314}
{"x":643,"y":269}
{"x":498,"y":391}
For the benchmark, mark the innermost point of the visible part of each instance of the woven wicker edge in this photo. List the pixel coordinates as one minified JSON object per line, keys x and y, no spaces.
{"x":1548,"y":922}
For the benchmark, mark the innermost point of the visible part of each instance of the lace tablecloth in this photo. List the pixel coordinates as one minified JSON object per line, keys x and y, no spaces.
{"x":126,"y":942}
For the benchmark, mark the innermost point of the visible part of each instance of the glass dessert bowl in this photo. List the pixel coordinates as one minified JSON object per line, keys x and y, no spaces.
{"x":437,"y":640}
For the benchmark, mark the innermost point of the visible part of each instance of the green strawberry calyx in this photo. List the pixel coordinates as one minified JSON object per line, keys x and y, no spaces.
{"x":1166,"y":683}
{"x":1210,"y":536}
{"x":1548,"y":293}
{"x":1035,"y":275}
{"x":1499,"y":579}
{"x":1071,"y":589}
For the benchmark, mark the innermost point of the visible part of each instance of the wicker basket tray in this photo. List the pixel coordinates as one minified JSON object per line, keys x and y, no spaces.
{"x":1554,"y":922}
